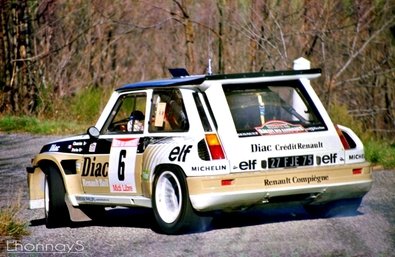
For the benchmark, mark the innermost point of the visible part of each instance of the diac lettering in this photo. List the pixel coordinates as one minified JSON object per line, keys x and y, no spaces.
{"x":93,"y":169}
{"x":260,"y":148}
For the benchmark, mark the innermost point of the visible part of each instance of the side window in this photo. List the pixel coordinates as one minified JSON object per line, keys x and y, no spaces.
{"x":128,"y":115}
{"x":168,"y":112}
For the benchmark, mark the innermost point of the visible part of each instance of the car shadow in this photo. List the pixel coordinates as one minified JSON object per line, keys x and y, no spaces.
{"x":268,"y":215}
{"x":144,"y":218}
{"x":113,"y":217}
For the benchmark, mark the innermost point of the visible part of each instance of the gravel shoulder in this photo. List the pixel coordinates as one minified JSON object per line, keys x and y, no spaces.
{"x":16,"y":152}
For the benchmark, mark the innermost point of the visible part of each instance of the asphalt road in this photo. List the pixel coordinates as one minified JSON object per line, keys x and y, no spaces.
{"x":285,"y":231}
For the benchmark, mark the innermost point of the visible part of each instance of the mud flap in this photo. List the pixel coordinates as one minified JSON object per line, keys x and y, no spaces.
{"x":76,"y":214}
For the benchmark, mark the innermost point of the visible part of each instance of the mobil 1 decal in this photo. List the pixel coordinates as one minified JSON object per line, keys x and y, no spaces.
{"x":122,"y":164}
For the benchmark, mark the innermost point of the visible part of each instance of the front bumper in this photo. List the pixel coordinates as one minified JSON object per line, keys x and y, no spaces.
{"x":313,"y":186}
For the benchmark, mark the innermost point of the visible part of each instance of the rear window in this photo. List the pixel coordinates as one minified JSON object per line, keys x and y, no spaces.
{"x":272,"y":108}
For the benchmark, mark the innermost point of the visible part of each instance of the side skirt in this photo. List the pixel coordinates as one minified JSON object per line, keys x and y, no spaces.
{"x":110,"y":200}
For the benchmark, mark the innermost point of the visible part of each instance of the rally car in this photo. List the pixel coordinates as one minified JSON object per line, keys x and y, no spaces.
{"x":189,"y":146}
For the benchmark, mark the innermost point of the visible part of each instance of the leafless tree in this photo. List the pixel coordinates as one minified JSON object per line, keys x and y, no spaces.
{"x":18,"y":90}
{"x":52,"y":49}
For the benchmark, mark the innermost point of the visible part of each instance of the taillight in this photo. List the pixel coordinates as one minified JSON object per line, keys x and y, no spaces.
{"x":215,"y":147}
{"x":227,"y":182}
{"x":342,"y":138}
{"x":357,"y":171}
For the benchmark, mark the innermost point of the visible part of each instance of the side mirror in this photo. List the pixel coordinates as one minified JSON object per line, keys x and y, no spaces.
{"x":93,"y":132}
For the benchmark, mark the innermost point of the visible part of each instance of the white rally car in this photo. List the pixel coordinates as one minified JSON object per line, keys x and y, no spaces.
{"x":189,"y":145}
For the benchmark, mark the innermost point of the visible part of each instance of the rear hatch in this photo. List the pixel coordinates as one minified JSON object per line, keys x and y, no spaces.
{"x":276,"y":125}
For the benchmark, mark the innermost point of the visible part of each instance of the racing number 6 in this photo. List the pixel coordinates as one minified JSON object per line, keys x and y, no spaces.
{"x":121,"y":165}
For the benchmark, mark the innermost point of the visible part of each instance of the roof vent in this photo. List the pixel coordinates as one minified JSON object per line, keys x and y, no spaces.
{"x":178,"y":72}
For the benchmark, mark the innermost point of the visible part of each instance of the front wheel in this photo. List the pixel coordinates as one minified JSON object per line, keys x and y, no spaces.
{"x":56,"y":212}
{"x":171,"y":205}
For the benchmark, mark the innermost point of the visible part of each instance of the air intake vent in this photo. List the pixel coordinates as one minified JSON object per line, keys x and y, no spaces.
{"x":350,"y":141}
{"x":203,"y":151}
{"x":69,"y":167}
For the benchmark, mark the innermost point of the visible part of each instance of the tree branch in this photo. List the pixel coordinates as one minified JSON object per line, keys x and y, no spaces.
{"x":364,"y":45}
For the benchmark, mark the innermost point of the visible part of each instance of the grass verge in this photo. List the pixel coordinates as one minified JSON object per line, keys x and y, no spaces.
{"x":11,"y":226}
{"x":377,"y":151}
{"x":380,"y":153}
{"x":34,"y":125}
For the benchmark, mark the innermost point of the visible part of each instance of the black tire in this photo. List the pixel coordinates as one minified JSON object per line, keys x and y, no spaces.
{"x":171,"y":205}
{"x":345,"y":207}
{"x":55,"y":208}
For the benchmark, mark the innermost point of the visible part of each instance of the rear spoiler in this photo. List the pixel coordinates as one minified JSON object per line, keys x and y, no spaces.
{"x":267,"y":76}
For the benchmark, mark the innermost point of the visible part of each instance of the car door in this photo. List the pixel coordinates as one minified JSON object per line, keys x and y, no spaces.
{"x":114,"y":162}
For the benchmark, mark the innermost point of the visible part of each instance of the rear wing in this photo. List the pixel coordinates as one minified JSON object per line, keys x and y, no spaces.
{"x":309,"y":74}
{"x":263,"y":76}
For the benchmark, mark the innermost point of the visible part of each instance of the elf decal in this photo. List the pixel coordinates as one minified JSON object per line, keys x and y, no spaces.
{"x":180,"y":153}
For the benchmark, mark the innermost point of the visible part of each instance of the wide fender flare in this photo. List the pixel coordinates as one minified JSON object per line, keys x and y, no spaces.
{"x":44,"y":160}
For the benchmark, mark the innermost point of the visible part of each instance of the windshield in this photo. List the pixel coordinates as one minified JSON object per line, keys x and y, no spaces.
{"x":272,"y":108}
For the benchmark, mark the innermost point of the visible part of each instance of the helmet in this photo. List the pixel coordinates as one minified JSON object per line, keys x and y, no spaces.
{"x":136,"y":115}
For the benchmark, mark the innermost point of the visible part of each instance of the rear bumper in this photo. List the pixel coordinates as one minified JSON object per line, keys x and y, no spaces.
{"x":313,"y":186}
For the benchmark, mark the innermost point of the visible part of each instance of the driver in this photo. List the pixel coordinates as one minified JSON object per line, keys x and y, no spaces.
{"x":136,"y":121}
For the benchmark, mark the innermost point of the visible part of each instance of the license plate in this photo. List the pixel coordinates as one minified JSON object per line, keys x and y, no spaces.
{"x":291,"y":161}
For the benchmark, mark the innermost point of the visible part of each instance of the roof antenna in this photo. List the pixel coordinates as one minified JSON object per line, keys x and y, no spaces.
{"x":209,"y":68}
{"x":209,"y":71}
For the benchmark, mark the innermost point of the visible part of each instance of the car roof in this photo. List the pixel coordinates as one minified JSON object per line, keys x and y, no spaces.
{"x":180,"y":81}
{"x":199,"y":79}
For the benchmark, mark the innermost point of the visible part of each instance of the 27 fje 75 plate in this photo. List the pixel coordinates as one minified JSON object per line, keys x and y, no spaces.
{"x":291,"y":161}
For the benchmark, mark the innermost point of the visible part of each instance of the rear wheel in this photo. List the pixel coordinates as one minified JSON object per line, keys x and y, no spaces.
{"x":171,"y":205}
{"x":56,"y":212}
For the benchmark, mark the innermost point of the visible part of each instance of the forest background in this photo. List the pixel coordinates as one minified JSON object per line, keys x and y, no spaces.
{"x":60,"y":59}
